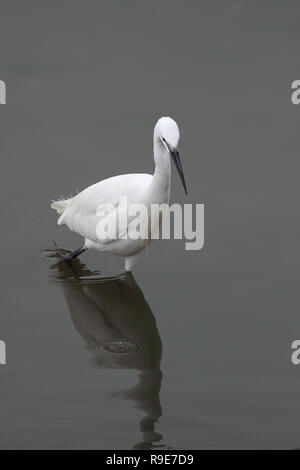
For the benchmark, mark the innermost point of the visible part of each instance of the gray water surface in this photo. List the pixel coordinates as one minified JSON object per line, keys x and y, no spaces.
{"x":193,"y":350}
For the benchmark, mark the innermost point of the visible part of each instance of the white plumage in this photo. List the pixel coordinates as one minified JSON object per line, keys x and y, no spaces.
{"x":80,"y":212}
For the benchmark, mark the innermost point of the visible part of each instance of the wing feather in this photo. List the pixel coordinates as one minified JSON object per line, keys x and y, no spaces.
{"x":84,"y":212}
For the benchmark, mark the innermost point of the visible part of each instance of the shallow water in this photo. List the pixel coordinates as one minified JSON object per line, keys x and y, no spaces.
{"x":193,"y":350}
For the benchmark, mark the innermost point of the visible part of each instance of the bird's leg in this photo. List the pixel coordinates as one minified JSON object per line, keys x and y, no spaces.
{"x":130,"y":261}
{"x":73,"y":269}
{"x":75,"y":253}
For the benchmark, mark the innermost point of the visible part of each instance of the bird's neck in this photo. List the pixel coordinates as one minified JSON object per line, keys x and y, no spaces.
{"x":162,"y":174}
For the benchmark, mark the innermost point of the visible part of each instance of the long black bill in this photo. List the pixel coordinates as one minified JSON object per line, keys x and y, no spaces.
{"x":176,"y":158}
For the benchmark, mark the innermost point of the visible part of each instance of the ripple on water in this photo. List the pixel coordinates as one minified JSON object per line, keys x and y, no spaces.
{"x":118,"y":347}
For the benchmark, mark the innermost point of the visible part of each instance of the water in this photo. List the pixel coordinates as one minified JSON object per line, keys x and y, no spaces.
{"x":207,"y":335}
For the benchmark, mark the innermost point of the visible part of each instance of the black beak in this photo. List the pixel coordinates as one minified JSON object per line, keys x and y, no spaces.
{"x":175,"y":155}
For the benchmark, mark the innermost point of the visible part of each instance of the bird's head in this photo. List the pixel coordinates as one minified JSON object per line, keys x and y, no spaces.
{"x":167,"y":133}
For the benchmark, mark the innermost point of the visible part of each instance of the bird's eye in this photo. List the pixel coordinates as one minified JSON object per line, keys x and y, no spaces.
{"x":164,"y":140}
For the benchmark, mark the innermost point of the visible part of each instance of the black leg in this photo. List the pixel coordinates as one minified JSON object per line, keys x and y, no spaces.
{"x":73,"y":269}
{"x":74,"y":255}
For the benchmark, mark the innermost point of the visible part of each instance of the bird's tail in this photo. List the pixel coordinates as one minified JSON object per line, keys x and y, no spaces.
{"x":60,"y":205}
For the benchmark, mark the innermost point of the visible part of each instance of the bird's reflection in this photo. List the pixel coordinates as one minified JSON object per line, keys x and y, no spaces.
{"x":118,"y":327}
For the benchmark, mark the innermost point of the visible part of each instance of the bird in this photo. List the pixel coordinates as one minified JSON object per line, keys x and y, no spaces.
{"x":81,"y":212}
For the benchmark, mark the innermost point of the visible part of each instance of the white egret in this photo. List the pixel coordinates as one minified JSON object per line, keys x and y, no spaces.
{"x":81,"y":212}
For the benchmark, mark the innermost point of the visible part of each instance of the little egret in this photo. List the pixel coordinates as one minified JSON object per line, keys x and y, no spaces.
{"x":81,"y":212}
